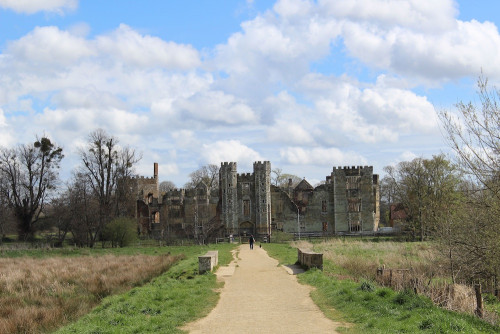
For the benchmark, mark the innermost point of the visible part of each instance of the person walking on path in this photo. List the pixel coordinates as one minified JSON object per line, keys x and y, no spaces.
{"x":251,"y":240}
{"x":260,"y":297}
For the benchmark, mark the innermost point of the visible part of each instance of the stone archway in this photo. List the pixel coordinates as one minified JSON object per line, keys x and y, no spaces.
{"x":247,"y":228}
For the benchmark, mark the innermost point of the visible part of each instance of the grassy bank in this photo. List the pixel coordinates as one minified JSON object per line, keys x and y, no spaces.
{"x":161,"y":306}
{"x":371,"y":308}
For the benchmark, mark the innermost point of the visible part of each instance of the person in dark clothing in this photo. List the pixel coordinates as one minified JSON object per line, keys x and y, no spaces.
{"x":251,"y":240}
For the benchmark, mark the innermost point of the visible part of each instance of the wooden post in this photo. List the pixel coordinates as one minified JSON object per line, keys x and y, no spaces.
{"x":390,"y":277}
{"x":479,"y":301}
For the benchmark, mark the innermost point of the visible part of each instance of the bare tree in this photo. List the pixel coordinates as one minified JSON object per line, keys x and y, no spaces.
{"x":209,"y":174}
{"x":107,"y":169}
{"x":125,"y":196}
{"x":5,"y":212}
{"x":282,"y":180}
{"x":474,"y":134}
{"x":166,"y":186}
{"x":83,"y":210}
{"x":276,"y":176}
{"x":30,"y":172}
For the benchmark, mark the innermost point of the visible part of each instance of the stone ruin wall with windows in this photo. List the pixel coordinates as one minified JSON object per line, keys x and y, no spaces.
{"x":347,"y":202}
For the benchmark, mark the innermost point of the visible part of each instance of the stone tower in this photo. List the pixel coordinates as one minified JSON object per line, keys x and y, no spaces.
{"x":262,"y":184}
{"x":356,"y":199}
{"x":229,"y":196}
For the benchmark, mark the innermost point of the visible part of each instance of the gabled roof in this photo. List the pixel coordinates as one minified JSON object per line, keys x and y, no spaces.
{"x":304,"y":185}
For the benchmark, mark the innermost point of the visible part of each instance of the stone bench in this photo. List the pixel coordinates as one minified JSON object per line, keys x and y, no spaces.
{"x":208,"y":261}
{"x":309,"y":259}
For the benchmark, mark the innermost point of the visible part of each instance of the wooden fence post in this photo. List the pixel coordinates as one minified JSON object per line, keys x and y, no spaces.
{"x":479,"y":301}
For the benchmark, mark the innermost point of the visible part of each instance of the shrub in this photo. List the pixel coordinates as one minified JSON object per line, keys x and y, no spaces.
{"x":367,"y":286}
{"x":120,"y":231}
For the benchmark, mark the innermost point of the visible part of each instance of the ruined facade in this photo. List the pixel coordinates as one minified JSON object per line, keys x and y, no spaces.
{"x":243,"y":204}
{"x":347,"y":202}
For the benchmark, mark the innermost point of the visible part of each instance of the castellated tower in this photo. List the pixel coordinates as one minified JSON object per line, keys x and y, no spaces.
{"x":356,"y":199}
{"x":229,"y":196}
{"x":262,"y":175}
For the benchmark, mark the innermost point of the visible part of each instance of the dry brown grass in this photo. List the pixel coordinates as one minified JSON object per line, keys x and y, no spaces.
{"x":38,"y":295}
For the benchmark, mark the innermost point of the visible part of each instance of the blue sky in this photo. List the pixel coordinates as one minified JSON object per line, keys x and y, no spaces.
{"x":307,"y":85}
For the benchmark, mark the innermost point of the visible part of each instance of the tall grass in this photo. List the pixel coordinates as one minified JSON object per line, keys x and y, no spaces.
{"x":169,"y":301}
{"x":38,"y":295}
{"x":417,"y":266}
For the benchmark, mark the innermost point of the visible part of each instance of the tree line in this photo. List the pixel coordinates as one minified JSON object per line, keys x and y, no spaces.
{"x":457,"y":203}
{"x":98,"y":192}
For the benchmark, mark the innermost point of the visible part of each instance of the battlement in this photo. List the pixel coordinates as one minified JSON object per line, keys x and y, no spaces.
{"x":245,"y":177}
{"x":262,"y":166}
{"x":228,"y":164}
{"x":351,"y":167}
{"x":142,"y":178}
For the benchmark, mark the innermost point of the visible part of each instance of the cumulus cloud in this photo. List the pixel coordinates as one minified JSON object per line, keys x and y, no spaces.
{"x":49,"y":46}
{"x":131,"y":48}
{"x":215,"y":107}
{"x":5,"y":135}
{"x":33,"y":6}
{"x":320,"y":156}
{"x":229,"y":150}
{"x":255,"y":93}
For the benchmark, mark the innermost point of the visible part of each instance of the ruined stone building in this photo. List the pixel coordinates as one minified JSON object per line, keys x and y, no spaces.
{"x":243,"y":204}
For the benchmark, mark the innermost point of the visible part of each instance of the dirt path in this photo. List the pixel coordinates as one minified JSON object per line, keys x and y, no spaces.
{"x":261,"y":297}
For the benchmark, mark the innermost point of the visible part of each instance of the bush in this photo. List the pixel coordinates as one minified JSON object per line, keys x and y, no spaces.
{"x":120,"y":231}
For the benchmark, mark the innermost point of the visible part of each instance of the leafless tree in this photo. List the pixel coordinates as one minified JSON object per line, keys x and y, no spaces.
{"x":107,"y":169}
{"x":166,"y":186}
{"x":30,"y":172}
{"x":282,"y":180}
{"x":209,"y":174}
{"x":473,"y":132}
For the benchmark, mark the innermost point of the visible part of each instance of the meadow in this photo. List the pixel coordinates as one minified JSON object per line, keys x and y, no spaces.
{"x":158,"y":289}
{"x":42,"y":290}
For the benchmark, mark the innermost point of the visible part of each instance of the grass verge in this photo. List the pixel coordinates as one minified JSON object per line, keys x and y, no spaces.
{"x":161,"y":306}
{"x":372,"y":309}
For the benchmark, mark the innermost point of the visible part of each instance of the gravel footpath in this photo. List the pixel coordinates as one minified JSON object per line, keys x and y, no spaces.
{"x":261,"y":297}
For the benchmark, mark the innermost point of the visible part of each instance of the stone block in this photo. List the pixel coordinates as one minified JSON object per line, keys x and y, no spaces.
{"x":310,"y":259}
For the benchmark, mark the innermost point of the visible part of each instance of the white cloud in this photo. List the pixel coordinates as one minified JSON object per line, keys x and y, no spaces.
{"x":33,"y":6}
{"x":320,"y":156}
{"x":229,"y":150}
{"x":289,"y":132}
{"x":448,"y":52}
{"x":49,"y":46}
{"x":133,"y":49}
{"x":215,"y":107}
{"x":420,"y":15}
{"x":5,"y":134}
